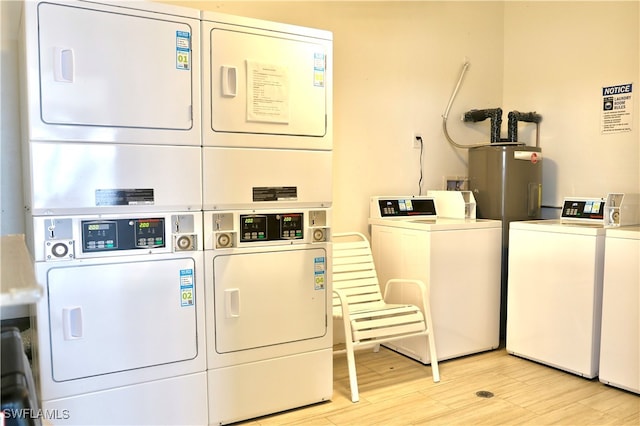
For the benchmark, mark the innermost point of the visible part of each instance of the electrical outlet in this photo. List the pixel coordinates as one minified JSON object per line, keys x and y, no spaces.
{"x":417,"y":140}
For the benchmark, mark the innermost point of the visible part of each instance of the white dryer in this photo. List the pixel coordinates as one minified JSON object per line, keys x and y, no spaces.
{"x":111,"y":118}
{"x":620,"y":338}
{"x":267,"y":114}
{"x":120,"y":330}
{"x":111,"y":72}
{"x":459,"y":259}
{"x":556,"y":267}
{"x":268,"y":298}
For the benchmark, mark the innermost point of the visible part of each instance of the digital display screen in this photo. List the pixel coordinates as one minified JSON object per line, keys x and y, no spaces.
{"x":98,"y":226}
{"x":257,"y":220}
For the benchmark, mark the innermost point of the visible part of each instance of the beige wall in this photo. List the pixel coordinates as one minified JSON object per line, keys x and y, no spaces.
{"x":558,"y":57}
{"x":396,"y":64}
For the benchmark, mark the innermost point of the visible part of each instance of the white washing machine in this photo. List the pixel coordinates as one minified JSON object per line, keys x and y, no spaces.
{"x":620,"y":336}
{"x":120,"y":327}
{"x":459,"y":258}
{"x":554,"y":299}
{"x":268,"y":294}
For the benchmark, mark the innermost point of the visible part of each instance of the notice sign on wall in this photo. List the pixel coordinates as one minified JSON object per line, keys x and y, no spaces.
{"x":617,"y":108}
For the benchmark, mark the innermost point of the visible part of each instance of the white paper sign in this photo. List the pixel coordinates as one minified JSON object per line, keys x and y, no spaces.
{"x":617,"y":109}
{"x":267,"y":92}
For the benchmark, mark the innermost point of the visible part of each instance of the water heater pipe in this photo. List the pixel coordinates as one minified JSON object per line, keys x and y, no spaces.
{"x":495,"y":114}
{"x":529,"y":117}
{"x":446,"y":115}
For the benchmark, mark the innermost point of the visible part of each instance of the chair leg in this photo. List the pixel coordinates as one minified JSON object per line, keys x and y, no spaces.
{"x":351,"y":361}
{"x":353,"y":375}
{"x":426,"y":306}
{"x":435,"y":370}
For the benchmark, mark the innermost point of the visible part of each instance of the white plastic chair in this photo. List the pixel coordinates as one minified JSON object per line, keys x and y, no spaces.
{"x":369,"y":320}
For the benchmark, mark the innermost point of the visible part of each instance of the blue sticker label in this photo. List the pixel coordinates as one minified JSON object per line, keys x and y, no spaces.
{"x":319,"y":65}
{"x":186,"y":287}
{"x":319,"y":272}
{"x":183,"y":50}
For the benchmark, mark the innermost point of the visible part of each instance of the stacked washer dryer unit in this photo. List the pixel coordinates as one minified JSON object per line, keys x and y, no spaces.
{"x":267,"y":147}
{"x":459,"y":257}
{"x":112,"y":155}
{"x":556,"y":270}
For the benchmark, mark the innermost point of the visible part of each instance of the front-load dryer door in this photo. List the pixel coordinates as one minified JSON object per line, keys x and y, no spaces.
{"x":265,"y":87}
{"x":104,"y":67}
{"x":269,"y":298}
{"x":107,"y":318}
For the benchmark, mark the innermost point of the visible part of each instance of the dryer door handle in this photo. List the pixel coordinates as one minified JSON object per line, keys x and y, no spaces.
{"x":72,"y":323}
{"x":64,"y":65}
{"x":229,"y":81}
{"x":232,"y":302}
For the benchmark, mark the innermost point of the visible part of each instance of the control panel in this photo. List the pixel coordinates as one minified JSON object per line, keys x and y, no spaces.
{"x":73,"y":237}
{"x":271,"y":227}
{"x":404,"y":207}
{"x":590,"y":209}
{"x":122,"y":234}
{"x":616,"y":209}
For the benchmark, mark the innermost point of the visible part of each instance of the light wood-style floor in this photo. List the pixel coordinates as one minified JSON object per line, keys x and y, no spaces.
{"x":395,"y":390}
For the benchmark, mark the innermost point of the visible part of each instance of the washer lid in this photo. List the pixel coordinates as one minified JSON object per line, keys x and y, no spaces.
{"x":555,"y":225}
{"x":624,"y":232}
{"x":436,"y":224}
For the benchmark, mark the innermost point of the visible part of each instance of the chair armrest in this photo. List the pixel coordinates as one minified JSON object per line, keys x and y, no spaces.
{"x":422,"y":287}
{"x":343,"y":302}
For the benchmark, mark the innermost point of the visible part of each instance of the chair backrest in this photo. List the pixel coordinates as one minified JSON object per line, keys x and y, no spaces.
{"x":354,"y":272}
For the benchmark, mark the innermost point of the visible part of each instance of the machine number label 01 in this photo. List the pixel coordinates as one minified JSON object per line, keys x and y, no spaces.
{"x":186,"y":287}
{"x":183,"y":50}
{"x":319,"y":271}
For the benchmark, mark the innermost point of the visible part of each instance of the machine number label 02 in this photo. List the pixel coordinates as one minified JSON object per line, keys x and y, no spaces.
{"x":186,"y":287}
{"x":319,"y":271}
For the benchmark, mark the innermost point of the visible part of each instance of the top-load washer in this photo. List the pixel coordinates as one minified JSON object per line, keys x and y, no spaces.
{"x":620,"y":336}
{"x":556,"y":267}
{"x":459,"y":258}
